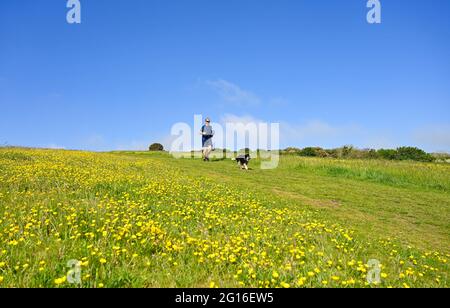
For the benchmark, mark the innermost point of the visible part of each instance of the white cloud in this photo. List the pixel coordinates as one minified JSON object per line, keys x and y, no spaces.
{"x":241,"y":128}
{"x":319,"y":133}
{"x":311,"y":129}
{"x":232,"y":118}
{"x":167,"y":141}
{"x":309,"y":133}
{"x":95,"y":140}
{"x":232,"y":93}
{"x":434,"y":137}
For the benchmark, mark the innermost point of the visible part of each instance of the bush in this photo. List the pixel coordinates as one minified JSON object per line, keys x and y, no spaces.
{"x":441,"y":157}
{"x":406,"y":153}
{"x":411,"y":153}
{"x":313,"y":152}
{"x":347,"y":151}
{"x":387,"y":154}
{"x":333,"y":153}
{"x":351,"y":152}
{"x":156,"y":147}
{"x":292,"y":150}
{"x":308,"y":152}
{"x":363,"y":154}
{"x":372,"y":154}
{"x":321,"y":152}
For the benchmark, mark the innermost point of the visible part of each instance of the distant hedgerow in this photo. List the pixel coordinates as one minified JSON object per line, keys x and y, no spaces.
{"x":350,"y":152}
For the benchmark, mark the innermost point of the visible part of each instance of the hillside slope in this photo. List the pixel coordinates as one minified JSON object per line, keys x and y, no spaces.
{"x":146,"y":220}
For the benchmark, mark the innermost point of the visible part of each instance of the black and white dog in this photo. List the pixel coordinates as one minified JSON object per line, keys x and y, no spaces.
{"x":243,"y":161}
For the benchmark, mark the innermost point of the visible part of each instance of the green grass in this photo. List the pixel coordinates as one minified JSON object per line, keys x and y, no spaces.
{"x":139,"y":219}
{"x":400,"y":174}
{"x":406,"y":200}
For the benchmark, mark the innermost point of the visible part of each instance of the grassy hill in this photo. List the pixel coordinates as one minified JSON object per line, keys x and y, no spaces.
{"x":135,"y":219}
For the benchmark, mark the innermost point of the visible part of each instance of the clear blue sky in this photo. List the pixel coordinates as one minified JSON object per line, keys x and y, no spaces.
{"x":133,"y":68}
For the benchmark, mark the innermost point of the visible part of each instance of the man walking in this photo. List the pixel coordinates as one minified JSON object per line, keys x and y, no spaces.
{"x":207,"y":136}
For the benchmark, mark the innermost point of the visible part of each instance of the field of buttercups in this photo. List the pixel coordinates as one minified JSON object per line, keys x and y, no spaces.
{"x":136,"y":222}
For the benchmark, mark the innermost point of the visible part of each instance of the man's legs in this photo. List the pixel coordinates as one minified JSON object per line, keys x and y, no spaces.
{"x":207,"y":152}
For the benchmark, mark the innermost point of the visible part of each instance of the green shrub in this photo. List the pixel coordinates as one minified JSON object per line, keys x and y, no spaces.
{"x":308,"y":152}
{"x":321,"y":152}
{"x":372,"y":154}
{"x":363,"y":154}
{"x":334,"y":153}
{"x":441,"y":157}
{"x":387,"y":154}
{"x":411,"y":153}
{"x":347,"y":151}
{"x":156,"y":147}
{"x":292,"y":150}
{"x":313,"y":152}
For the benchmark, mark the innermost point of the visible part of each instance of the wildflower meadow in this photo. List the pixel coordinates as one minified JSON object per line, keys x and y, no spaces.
{"x":128,"y":220}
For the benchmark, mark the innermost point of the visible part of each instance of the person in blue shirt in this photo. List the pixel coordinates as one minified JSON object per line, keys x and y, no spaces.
{"x":207,"y":136}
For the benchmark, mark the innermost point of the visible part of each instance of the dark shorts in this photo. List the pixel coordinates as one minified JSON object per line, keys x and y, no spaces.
{"x":207,"y":142}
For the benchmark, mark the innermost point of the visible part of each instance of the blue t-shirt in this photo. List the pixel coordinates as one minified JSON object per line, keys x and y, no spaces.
{"x":207,"y":136}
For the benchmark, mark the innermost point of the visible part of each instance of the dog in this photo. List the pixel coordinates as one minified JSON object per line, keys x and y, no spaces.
{"x":243,"y":161}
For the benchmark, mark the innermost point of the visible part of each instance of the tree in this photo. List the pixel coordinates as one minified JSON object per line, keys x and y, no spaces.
{"x":412,"y":153}
{"x":387,"y":154}
{"x":156,"y":147}
{"x":308,"y":152}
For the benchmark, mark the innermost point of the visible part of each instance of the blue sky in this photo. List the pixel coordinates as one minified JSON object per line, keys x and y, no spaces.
{"x":133,"y":68}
